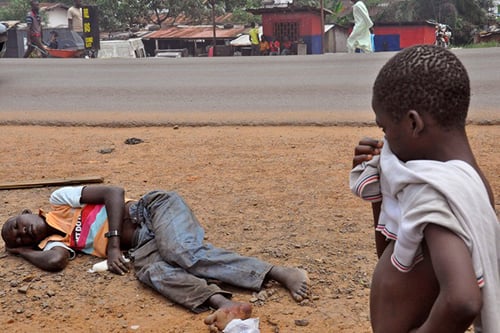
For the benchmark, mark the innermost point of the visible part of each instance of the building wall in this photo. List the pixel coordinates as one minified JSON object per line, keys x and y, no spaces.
{"x":340,"y":39}
{"x":57,"y":18}
{"x":309,"y":26}
{"x":408,"y":34}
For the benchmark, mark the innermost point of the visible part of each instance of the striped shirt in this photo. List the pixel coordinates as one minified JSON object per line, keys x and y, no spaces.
{"x":83,"y":225}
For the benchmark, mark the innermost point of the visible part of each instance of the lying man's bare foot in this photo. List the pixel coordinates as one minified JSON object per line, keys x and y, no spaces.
{"x":294,"y":279}
{"x":227,"y":310}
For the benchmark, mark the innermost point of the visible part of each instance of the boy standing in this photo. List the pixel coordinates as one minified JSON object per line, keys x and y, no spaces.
{"x":438,"y":237}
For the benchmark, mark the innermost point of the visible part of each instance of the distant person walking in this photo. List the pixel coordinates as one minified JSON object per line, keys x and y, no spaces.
{"x":74,"y":16}
{"x":254,"y":39}
{"x":360,"y":37}
{"x":34,"y":34}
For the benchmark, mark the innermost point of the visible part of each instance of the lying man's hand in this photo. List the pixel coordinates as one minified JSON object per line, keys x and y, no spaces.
{"x":19,"y":249}
{"x":117,"y":263}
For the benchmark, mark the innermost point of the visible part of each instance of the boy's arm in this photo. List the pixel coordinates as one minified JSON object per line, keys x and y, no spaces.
{"x":380,"y":240}
{"x":113,"y":198}
{"x":364,"y":151}
{"x":53,"y":260}
{"x":459,"y":300}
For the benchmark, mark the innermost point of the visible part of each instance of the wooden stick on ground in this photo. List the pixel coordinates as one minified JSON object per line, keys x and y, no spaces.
{"x":51,"y":182}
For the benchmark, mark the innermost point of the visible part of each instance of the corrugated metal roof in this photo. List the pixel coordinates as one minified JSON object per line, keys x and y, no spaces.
{"x":48,"y":6}
{"x":184,"y":20}
{"x":196,"y":32}
{"x":287,"y":9}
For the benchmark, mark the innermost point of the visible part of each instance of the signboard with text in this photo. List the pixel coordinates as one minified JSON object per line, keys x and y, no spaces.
{"x":90,"y":19}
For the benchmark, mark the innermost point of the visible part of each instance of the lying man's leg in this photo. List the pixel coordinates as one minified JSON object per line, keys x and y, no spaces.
{"x":180,"y":237}
{"x":227,"y":311}
{"x":186,"y":289}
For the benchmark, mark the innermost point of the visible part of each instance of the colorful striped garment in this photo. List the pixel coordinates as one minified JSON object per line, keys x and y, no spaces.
{"x":84,"y":226}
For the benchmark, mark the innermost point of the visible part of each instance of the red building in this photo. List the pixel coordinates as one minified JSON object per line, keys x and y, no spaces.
{"x":393,"y":37}
{"x":302,"y":24}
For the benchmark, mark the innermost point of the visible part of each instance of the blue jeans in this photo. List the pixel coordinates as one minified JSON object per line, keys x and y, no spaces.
{"x":169,"y":254}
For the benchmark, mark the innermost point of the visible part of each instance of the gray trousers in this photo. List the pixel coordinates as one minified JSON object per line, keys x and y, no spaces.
{"x":170,"y":257}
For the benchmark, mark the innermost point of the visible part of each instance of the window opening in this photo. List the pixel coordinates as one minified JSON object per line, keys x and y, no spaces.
{"x":286,"y":29}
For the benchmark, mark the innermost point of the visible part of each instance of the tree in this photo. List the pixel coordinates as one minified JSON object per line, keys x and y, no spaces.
{"x":463,"y":16}
{"x":16,"y":10}
{"x":163,"y":10}
{"x":123,"y":14}
{"x":233,"y":5}
{"x":240,"y":14}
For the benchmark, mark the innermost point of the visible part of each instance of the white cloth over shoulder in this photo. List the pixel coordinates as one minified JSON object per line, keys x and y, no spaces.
{"x":450,"y":194}
{"x":364,"y":180}
{"x":360,"y":36}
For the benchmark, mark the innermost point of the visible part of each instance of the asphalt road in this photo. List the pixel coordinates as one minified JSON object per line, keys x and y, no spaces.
{"x":321,"y":89}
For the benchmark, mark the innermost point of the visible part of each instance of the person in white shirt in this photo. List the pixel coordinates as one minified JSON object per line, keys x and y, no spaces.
{"x":74,"y":16}
{"x":360,"y":37}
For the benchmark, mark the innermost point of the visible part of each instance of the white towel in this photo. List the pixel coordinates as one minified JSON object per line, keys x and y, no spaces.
{"x":450,"y":194}
{"x":364,"y":180}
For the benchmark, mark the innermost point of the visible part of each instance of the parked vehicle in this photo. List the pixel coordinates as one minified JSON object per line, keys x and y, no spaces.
{"x":130,"y":48}
{"x":4,"y":28}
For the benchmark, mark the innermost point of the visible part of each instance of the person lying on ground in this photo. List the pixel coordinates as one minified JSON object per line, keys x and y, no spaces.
{"x":437,"y":233}
{"x":164,"y":241}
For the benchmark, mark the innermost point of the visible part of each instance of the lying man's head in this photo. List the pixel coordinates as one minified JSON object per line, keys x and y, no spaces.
{"x":25,"y":229}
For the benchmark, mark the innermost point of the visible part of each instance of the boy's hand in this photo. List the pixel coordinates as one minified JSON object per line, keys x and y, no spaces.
{"x":366,"y":148}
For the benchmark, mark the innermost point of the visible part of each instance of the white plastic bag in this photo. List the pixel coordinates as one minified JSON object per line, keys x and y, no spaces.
{"x":102,"y":266}
{"x":250,"y":325}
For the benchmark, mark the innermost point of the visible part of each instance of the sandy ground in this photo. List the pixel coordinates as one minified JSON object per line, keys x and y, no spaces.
{"x":277,"y":193}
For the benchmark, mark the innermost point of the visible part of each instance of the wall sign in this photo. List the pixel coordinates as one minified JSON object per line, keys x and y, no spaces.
{"x":90,"y":19}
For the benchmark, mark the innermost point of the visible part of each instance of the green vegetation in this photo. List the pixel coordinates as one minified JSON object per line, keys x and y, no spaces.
{"x":15,"y":10}
{"x":482,"y":45}
{"x":463,"y":16}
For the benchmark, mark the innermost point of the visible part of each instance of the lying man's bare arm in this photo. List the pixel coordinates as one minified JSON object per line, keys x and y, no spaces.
{"x":113,"y":198}
{"x":53,"y":260}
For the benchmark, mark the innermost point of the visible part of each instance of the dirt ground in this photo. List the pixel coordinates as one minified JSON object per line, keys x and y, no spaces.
{"x":277,"y":193}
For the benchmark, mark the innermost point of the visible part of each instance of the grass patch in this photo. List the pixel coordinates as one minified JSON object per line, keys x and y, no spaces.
{"x":482,"y":45}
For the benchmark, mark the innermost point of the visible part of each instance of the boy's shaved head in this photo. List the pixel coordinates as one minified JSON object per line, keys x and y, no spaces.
{"x":428,"y":79}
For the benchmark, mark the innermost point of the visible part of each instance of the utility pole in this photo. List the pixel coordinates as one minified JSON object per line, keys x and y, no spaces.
{"x":214,"y":41}
{"x":322,"y":11}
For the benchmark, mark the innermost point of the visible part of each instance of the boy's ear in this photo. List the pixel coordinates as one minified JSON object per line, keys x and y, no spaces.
{"x":416,"y":122}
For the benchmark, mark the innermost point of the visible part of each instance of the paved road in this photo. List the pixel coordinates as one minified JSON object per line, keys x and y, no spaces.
{"x":321,"y":89}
